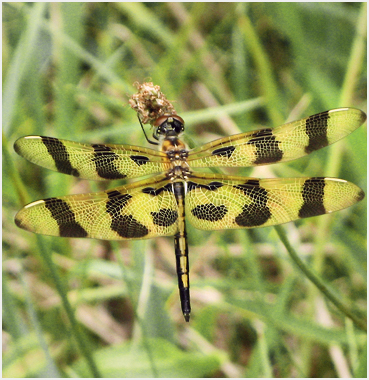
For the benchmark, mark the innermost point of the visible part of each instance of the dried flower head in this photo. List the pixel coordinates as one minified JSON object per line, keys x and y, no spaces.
{"x":150,"y":103}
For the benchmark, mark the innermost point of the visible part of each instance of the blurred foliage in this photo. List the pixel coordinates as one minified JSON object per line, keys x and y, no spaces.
{"x":68,"y":70}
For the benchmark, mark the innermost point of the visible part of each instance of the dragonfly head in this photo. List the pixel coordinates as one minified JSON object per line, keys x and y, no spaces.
{"x":168,"y":126}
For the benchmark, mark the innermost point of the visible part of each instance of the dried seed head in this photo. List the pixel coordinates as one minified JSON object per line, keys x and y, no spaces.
{"x":150,"y":103}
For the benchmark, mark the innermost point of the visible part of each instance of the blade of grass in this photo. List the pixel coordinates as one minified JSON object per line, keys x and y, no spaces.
{"x":80,"y":337}
{"x":268,"y":86}
{"x":18,"y":65}
{"x":360,"y":323}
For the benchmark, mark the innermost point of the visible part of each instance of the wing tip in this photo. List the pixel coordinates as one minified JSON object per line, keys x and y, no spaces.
{"x":361,"y":115}
{"x":17,"y":144}
{"x":360,"y":196}
{"x":18,"y":222}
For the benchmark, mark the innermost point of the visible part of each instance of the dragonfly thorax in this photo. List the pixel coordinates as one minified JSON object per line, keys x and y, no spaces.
{"x":177,"y":154}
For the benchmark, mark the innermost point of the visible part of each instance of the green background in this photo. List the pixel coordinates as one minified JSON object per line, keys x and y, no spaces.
{"x":68,"y":71}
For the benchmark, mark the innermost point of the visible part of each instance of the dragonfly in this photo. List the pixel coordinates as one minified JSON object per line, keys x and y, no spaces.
{"x":175,"y":193}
